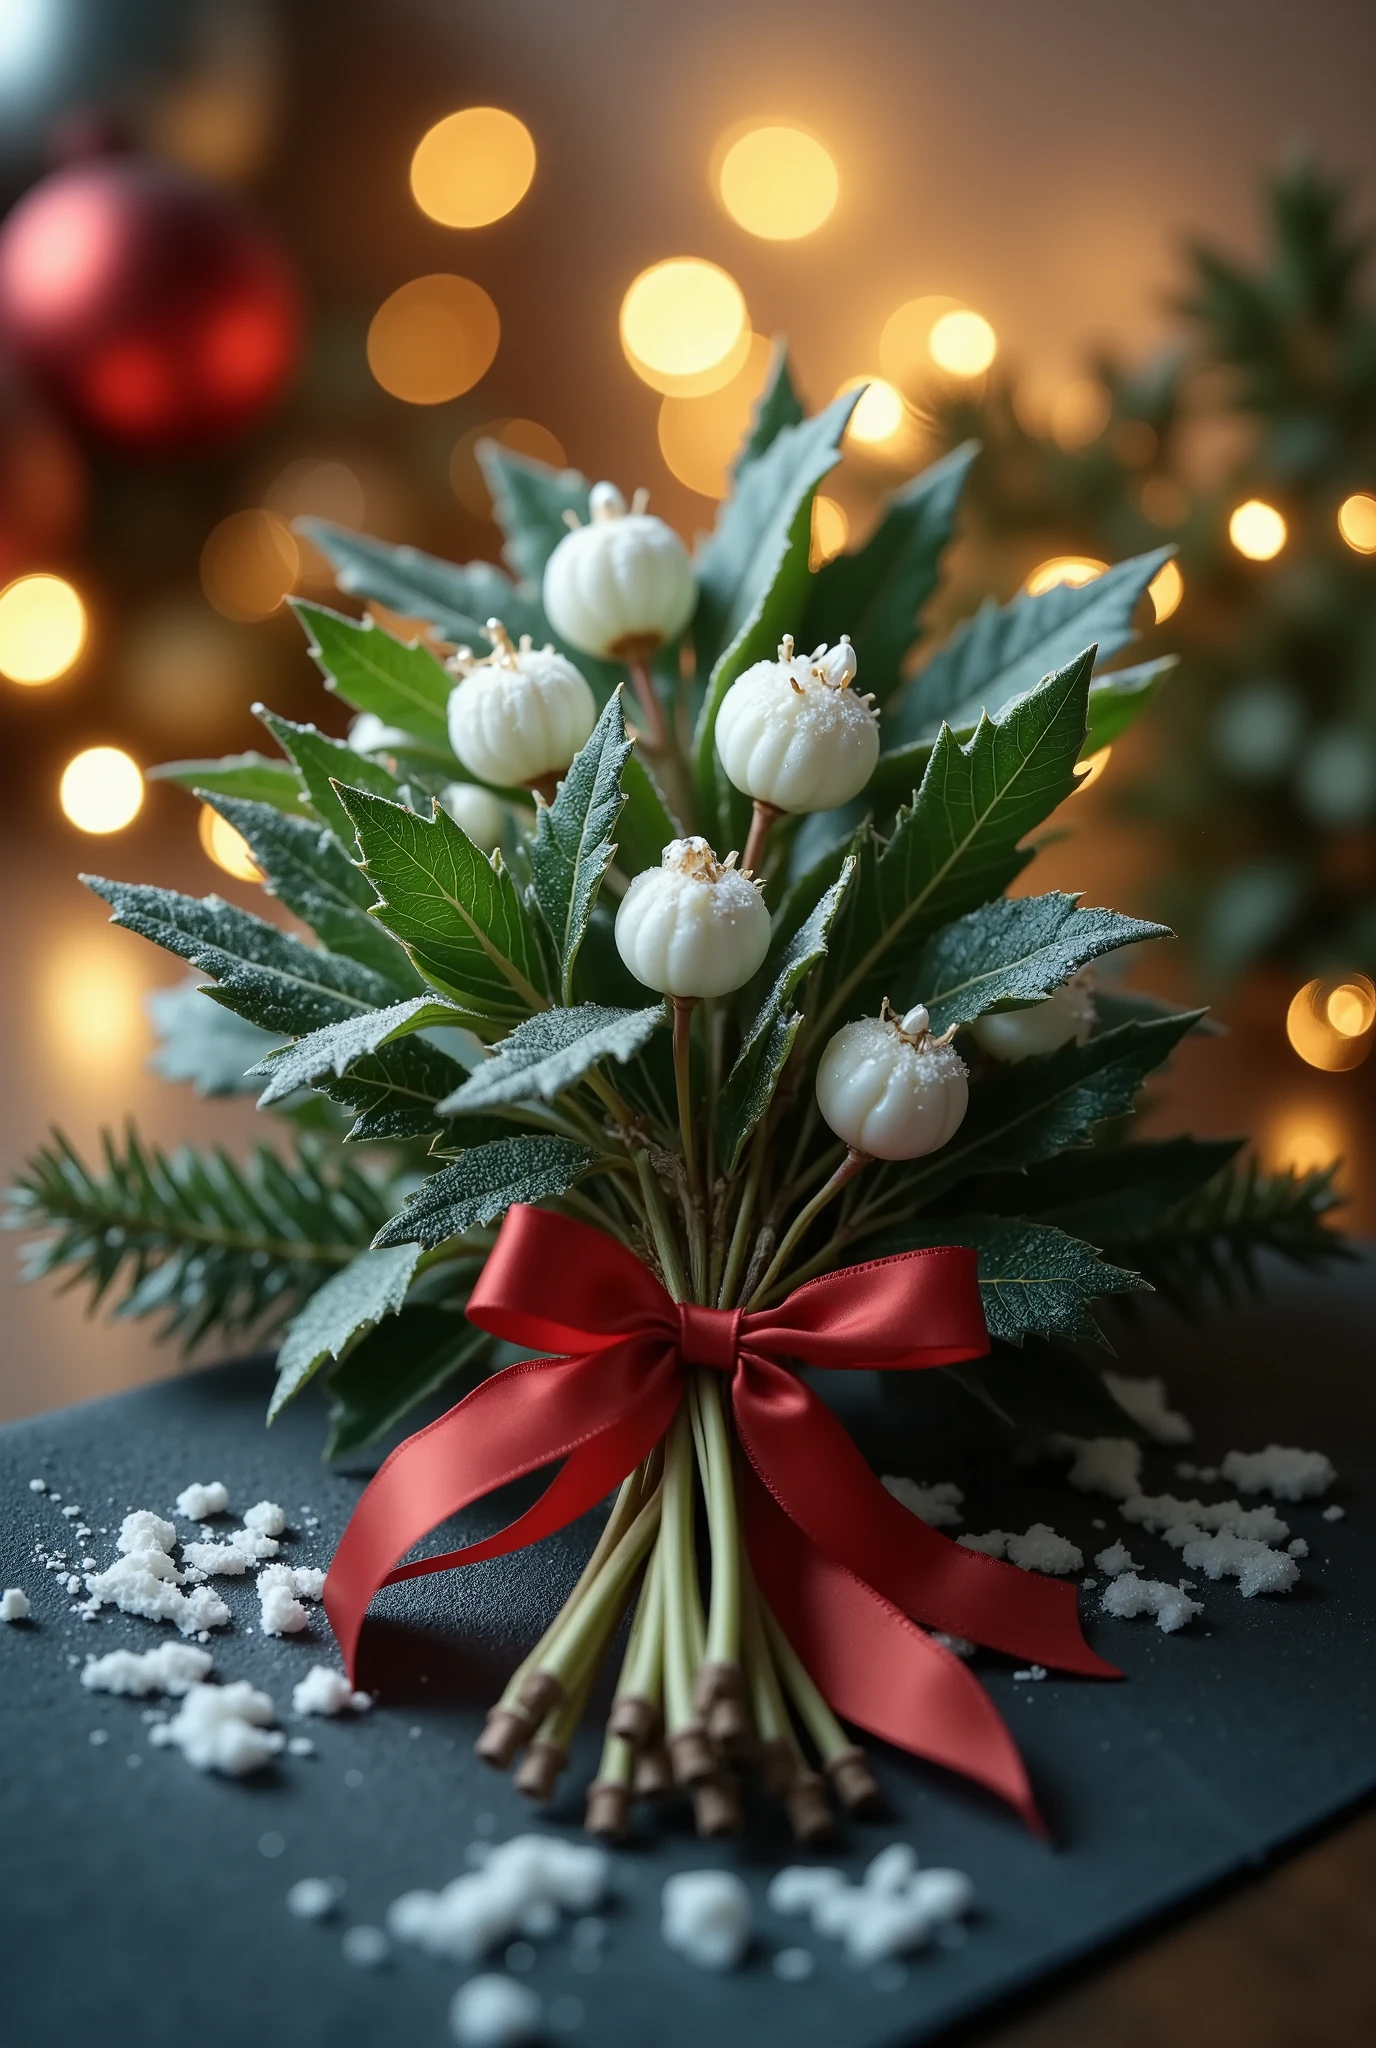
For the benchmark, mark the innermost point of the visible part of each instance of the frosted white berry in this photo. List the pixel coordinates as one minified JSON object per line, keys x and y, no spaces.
{"x":477,"y":811}
{"x":369,"y":735}
{"x":519,"y":714}
{"x":622,"y":585}
{"x":1068,"y":1012}
{"x":693,"y":926}
{"x":794,"y":734}
{"x":889,"y":1089}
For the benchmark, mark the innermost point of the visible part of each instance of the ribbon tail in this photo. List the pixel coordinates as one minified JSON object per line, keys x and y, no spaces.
{"x":875,"y":1667}
{"x":602,"y":1412}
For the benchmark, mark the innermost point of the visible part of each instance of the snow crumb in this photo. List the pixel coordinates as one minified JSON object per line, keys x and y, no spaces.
{"x":265,"y":1519}
{"x":323,"y":1691}
{"x":367,"y":1948}
{"x":197,"y":1502}
{"x":892,"y":1869}
{"x":1089,"y":1584}
{"x":280,"y":1612}
{"x":1106,"y":1464}
{"x":308,"y":1582}
{"x":993,"y":1544}
{"x":172,"y":1668}
{"x":145,"y":1583}
{"x":1256,"y":1567}
{"x":223,"y":1728}
{"x":1299,"y":1548}
{"x":300,"y":1745}
{"x":1335,"y":1514}
{"x":1281,"y":1471}
{"x":495,"y":2012}
{"x":232,"y":1558}
{"x":1116,"y":1560}
{"x":1042,"y":1550}
{"x":485,"y":1908}
{"x":896,"y":1909}
{"x":14,"y":1604}
{"x":798,"y":1886}
{"x":1034,"y":1671}
{"x":38,"y":1486}
{"x":707,"y":1917}
{"x":71,"y":1511}
{"x":1163,"y":1513}
{"x":1130,"y":1596}
{"x":312,"y":1898}
{"x":959,"y":1646}
{"x":1147,"y":1402}
{"x":938,"y":1506}
{"x":143,"y":1531}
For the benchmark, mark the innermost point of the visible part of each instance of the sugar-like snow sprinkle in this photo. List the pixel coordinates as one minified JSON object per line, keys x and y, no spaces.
{"x":1116,"y":1560}
{"x":1256,"y":1567}
{"x":1162,"y":1513}
{"x":1299,"y":1548}
{"x":706,"y":1916}
{"x":224,"y":1728}
{"x":1280,"y":1470}
{"x":1040,"y":1549}
{"x":38,"y":1486}
{"x":308,"y":1582}
{"x":234,"y":1556}
{"x":958,"y":1646}
{"x":145,"y":1583}
{"x":1129,"y":1596}
{"x":280,"y":1613}
{"x":892,"y":1869}
{"x":993,"y":1543}
{"x":1033,"y":1671}
{"x":495,"y":2012}
{"x":1335,"y":1514}
{"x":1148,"y":1403}
{"x":312,"y":1898}
{"x":323,"y":1691}
{"x":265,"y":1518}
{"x":1107,"y":1464}
{"x":798,"y":1886}
{"x":896,"y":1909}
{"x":143,"y":1531}
{"x":199,"y":1501}
{"x":486,"y":1907}
{"x":14,"y":1604}
{"x":172,"y":1668}
{"x":939,"y":1506}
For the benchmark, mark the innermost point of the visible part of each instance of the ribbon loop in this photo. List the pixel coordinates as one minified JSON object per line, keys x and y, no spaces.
{"x":709,"y":1337}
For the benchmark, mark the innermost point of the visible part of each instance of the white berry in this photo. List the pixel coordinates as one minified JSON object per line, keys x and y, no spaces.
{"x":520,"y":714}
{"x":794,"y":734}
{"x":889,"y":1089}
{"x":1039,"y":1027}
{"x":622,"y":585}
{"x":477,"y":811}
{"x":694,"y":926}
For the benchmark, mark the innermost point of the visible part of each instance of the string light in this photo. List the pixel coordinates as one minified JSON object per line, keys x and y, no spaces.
{"x":1357,"y":522}
{"x":962,"y":343}
{"x":1257,"y":530}
{"x":249,"y":563}
{"x":433,"y":339}
{"x":42,"y":629}
{"x":473,"y":167}
{"x":1074,"y":570}
{"x":1165,"y":590}
{"x":830,"y":531}
{"x":101,"y":790}
{"x":684,"y":327}
{"x":523,"y":437}
{"x":1331,"y":1024}
{"x":905,"y":354}
{"x":778,"y":182}
{"x":700,"y":438}
{"x":226,"y":847}
{"x":881,"y":414}
{"x":1092,"y":768}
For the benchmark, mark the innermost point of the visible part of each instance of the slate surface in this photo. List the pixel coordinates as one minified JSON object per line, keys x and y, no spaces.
{"x":142,"y":1903}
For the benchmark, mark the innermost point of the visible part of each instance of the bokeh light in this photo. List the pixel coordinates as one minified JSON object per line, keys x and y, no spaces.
{"x":42,"y":629}
{"x":905,"y":354}
{"x":1165,"y":590}
{"x":226,"y":847}
{"x":89,"y":1011}
{"x":778,"y":182}
{"x":699,"y":438}
{"x":1134,"y":443}
{"x":101,"y":789}
{"x":962,"y":343}
{"x":1164,"y":501}
{"x":1331,"y":1023}
{"x":318,"y":487}
{"x":473,"y":167}
{"x":249,"y":563}
{"x":185,"y":673}
{"x":1357,"y":522}
{"x":830,"y":531}
{"x":1092,"y":767}
{"x":1257,"y":530}
{"x":523,"y":437}
{"x":881,"y":414}
{"x":1302,"y":1138}
{"x":433,"y":339}
{"x":1073,"y":570}
{"x":684,"y":327}
{"x":1079,"y":412}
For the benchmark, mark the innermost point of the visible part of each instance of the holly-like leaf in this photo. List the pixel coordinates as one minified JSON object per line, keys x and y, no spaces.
{"x":456,"y":599}
{"x":255,"y":776}
{"x":529,"y":500}
{"x":261,"y":973}
{"x":574,"y":844}
{"x":401,"y":1363}
{"x":551,"y":1052}
{"x":350,"y":1304}
{"x":1015,"y":950}
{"x":200,"y":1042}
{"x":768,"y":1037}
{"x":777,"y":407}
{"x":336,"y":1048}
{"x":321,"y":762}
{"x":1034,"y":1280}
{"x":455,"y":909}
{"x":393,"y":1093}
{"x":646,"y":825}
{"x":401,"y":682}
{"x":1116,"y":701}
{"x":876,"y":594}
{"x":958,"y":845}
{"x":483,"y":1184}
{"x":1112,"y":1193}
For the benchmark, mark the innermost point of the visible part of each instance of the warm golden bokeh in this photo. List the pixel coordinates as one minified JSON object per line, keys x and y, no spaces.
{"x":1257,"y":530}
{"x":881,"y":415}
{"x":700,"y":438}
{"x":1303,"y":1138}
{"x":1078,"y":413}
{"x":684,"y":327}
{"x":226,"y":847}
{"x":42,"y":629}
{"x":1092,"y":767}
{"x":1073,"y":570}
{"x":905,"y":354}
{"x":1357,"y":522}
{"x":101,"y":789}
{"x":90,"y":987}
{"x":1165,"y":590}
{"x":830,"y":531}
{"x":1331,"y":1024}
{"x":249,"y":563}
{"x":962,"y":343}
{"x":473,"y":167}
{"x":523,"y":437}
{"x":433,"y":339}
{"x":777,"y":182}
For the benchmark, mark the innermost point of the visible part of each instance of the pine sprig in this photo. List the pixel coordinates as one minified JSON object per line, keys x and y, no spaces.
{"x":193,"y":1236}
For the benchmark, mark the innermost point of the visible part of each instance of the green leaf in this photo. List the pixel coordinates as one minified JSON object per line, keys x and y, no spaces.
{"x":646,"y":825}
{"x":398,"y":1365}
{"x":485,"y":1183}
{"x":768,"y":1037}
{"x":350,"y":1304}
{"x":402,"y":683}
{"x":573,"y":843}
{"x":336,"y":1048}
{"x":203,"y":1043}
{"x":1112,"y":1193}
{"x":305,"y":866}
{"x":261,"y":973}
{"x":1015,"y":950}
{"x":777,"y":407}
{"x":553,"y":1051}
{"x":877,"y":593}
{"x":455,"y":909}
{"x":1117,"y":700}
{"x":958,"y":845}
{"x":1034,"y":1280}
{"x":254,"y":776}
{"x":393,"y":1093}
{"x":529,"y":500}
{"x":321,"y":763}
{"x":457,"y":600}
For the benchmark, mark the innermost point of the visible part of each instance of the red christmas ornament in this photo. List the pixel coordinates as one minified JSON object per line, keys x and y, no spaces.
{"x":150,"y":304}
{"x":43,"y":481}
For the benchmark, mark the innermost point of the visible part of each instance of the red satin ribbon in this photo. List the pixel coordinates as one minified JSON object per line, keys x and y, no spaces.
{"x":846,"y":1569}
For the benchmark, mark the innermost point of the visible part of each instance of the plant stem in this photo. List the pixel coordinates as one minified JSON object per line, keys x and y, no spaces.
{"x":590,"y":1622}
{"x":845,"y":1172}
{"x":740,"y":1236}
{"x":679,"y":1569}
{"x":814,"y":1713}
{"x":683,"y":1082}
{"x":772,"y":1720}
{"x":723,"y":1523}
{"x":661,"y":1230}
{"x":642,"y":1669}
{"x":655,"y":737}
{"x":761,"y":818}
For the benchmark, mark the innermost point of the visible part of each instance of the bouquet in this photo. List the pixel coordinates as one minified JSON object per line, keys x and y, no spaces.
{"x":672,"y":928}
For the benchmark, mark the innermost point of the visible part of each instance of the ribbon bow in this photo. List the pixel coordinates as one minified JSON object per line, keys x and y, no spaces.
{"x":845,"y":1567}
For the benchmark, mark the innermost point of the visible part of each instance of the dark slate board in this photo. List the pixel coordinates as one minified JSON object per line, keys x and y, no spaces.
{"x":139,"y":1905}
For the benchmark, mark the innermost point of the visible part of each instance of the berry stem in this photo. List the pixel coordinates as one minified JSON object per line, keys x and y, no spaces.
{"x":845,"y":1172}
{"x":761,"y":819}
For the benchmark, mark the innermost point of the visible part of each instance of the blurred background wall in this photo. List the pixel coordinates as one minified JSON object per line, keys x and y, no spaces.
{"x":1039,"y":167}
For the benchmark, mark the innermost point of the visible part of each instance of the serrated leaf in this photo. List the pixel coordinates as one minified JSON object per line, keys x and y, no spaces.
{"x":255,"y":776}
{"x":529,"y":500}
{"x":393,"y":1093}
{"x":1015,"y":950}
{"x":485,"y":1183}
{"x":457,"y":911}
{"x":350,"y":1304}
{"x":201,"y":1042}
{"x":261,"y":973}
{"x":1034,"y":1280}
{"x":401,"y":682}
{"x":336,"y":1048}
{"x":321,"y":762}
{"x":573,"y":844}
{"x":778,"y":406}
{"x":646,"y":825}
{"x":457,"y":599}
{"x":958,"y":845}
{"x":768,"y":1037}
{"x":398,"y":1365}
{"x":1116,"y":701}
{"x":553,"y":1051}
{"x":1111,"y":1193}
{"x":876,"y":594}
